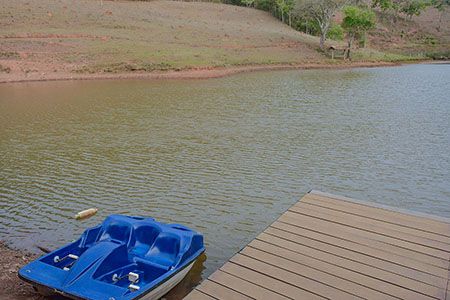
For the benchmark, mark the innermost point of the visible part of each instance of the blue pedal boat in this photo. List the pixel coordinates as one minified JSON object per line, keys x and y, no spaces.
{"x":122,"y":258}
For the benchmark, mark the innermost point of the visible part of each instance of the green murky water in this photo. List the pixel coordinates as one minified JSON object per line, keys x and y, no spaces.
{"x":223,"y":156}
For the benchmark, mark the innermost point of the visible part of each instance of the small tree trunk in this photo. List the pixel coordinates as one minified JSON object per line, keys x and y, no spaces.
{"x":324,"y":30}
{"x":441,"y":16}
{"x":323,"y":37}
{"x":396,"y":15}
{"x":322,"y":40}
{"x":350,"y":43}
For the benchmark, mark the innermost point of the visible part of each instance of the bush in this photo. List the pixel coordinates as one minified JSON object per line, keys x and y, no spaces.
{"x":335,"y":32}
{"x":5,"y":69}
{"x":266,"y":5}
{"x":361,"y":43}
{"x":309,"y":27}
{"x":439,"y":55}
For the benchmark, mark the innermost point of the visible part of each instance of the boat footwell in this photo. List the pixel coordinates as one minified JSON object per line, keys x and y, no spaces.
{"x":123,"y":258}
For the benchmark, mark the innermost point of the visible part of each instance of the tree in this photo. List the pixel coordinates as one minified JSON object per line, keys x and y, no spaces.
{"x":396,"y":7}
{"x":442,"y":6}
{"x":384,"y":5}
{"x":266,"y":5}
{"x":289,"y":8}
{"x":390,"y":5}
{"x":248,"y":3}
{"x":285,"y":7}
{"x":356,"y":23}
{"x":413,"y":8}
{"x":335,"y":32}
{"x":322,"y":11}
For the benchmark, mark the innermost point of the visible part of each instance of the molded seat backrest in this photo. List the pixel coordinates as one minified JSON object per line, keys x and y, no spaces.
{"x":164,"y":250}
{"x":116,"y":231}
{"x":145,"y":236}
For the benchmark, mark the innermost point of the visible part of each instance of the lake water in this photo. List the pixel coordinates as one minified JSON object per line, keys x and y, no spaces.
{"x":223,"y":156}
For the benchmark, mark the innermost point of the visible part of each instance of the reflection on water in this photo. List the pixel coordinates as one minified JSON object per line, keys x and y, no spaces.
{"x":224,"y":156}
{"x":192,"y":279}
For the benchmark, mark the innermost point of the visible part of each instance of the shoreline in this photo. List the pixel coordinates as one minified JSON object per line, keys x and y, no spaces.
{"x":11,"y":287}
{"x":204,"y":72}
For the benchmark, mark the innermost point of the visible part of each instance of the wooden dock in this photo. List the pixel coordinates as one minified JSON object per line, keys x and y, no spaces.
{"x":332,"y":247}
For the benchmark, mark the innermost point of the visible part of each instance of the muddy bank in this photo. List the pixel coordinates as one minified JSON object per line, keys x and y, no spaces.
{"x":11,"y":287}
{"x":193,"y":73}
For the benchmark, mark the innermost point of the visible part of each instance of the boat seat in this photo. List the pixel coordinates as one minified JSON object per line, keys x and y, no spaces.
{"x":165,"y":250}
{"x":145,"y":237}
{"x":115,"y":231}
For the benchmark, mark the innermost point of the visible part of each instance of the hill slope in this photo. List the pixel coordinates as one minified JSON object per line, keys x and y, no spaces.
{"x":421,"y":34}
{"x":82,"y":35}
{"x":51,"y":39}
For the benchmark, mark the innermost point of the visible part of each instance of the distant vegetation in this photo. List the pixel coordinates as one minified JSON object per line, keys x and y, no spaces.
{"x":83,"y":36}
{"x":49,"y":37}
{"x":316,"y":17}
{"x":357,"y":23}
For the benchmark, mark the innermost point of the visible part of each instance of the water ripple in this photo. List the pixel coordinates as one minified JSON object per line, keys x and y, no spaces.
{"x":224,"y":156}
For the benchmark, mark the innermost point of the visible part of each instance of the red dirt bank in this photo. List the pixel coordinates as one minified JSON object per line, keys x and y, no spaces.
{"x":191,"y":73}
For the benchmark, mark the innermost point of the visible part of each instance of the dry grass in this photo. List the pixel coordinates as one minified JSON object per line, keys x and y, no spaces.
{"x":415,"y":36}
{"x":39,"y":37}
{"x":82,"y":35}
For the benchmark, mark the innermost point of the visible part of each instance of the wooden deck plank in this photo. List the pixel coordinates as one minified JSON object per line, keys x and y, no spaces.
{"x":431,"y":245}
{"x":360,"y":253}
{"x":302,"y":266}
{"x":333,"y":247}
{"x":380,"y":214}
{"x":197,"y":295}
{"x":299,"y":220}
{"x":348,"y":261}
{"x":376,"y":207}
{"x":291,"y":278}
{"x":290,"y":291}
{"x":361,"y":279}
{"x":346,"y":233}
{"x":398,"y":228}
{"x":396,"y":257}
{"x":244,"y":287}
{"x":221,"y":292}
{"x":448,"y":283}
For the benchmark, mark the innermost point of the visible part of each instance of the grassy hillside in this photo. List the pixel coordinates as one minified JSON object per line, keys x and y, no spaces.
{"x":82,"y":35}
{"x":418,"y":36}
